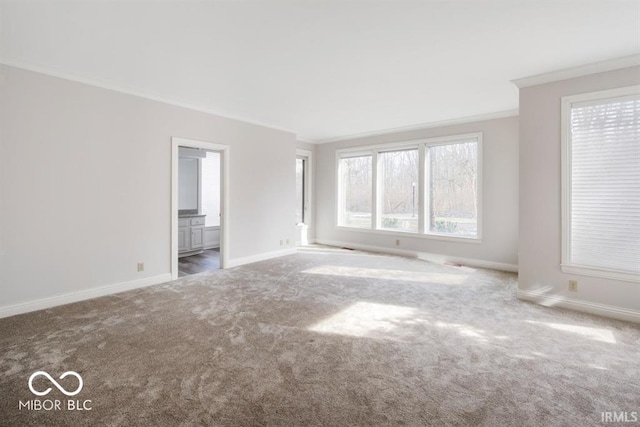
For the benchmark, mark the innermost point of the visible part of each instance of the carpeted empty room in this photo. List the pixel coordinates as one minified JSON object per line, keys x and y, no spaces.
{"x":319,"y":213}
{"x":323,"y":337}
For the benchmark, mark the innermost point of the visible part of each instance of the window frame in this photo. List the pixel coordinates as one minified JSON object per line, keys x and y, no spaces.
{"x":307,"y":192}
{"x":339,"y":192}
{"x":567,"y":103}
{"x":201,"y":189}
{"x":381,"y":188}
{"x":303,"y":208}
{"x":423,"y":202}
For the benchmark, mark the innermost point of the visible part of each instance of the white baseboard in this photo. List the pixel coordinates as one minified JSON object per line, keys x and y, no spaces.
{"x":437,"y":258}
{"x":550,"y":300}
{"x":44,"y":303}
{"x":260,"y":257}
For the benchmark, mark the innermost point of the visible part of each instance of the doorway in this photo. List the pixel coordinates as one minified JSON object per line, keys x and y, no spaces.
{"x":303,"y":196}
{"x":199,"y":203}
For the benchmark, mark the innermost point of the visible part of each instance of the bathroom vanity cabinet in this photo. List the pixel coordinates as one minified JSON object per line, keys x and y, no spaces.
{"x":190,"y":235}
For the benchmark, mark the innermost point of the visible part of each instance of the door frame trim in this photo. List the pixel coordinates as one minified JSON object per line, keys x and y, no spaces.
{"x":225,"y":152}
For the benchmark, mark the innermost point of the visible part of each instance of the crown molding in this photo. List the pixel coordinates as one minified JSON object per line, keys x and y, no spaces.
{"x":428,"y":125}
{"x":583,"y":70}
{"x":49,"y":71}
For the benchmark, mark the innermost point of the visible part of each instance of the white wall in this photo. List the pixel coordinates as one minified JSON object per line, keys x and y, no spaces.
{"x":500,"y":196}
{"x":540,"y":196}
{"x":85,"y":185}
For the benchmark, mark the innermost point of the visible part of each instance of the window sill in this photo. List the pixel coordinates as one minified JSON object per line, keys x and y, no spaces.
{"x":601,"y":273}
{"x":401,"y":233}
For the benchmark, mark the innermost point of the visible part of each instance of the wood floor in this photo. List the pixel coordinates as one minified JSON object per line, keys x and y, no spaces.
{"x":206,"y":261}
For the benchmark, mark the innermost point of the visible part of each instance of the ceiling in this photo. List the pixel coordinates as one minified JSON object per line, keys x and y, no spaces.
{"x":322,"y":69}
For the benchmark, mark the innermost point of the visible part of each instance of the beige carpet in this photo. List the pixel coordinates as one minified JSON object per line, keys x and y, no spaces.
{"x":325,"y":337}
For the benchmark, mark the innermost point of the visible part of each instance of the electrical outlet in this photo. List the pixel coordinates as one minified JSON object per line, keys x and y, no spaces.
{"x":573,"y":285}
{"x":141,"y":266}
{"x":397,"y":242}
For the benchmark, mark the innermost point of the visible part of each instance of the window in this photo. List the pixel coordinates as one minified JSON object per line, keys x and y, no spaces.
{"x":399,"y":180}
{"x":210,"y":188}
{"x":303,"y":208}
{"x":355,"y":191}
{"x":601,"y":184}
{"x":453,"y":192}
{"x":429,"y":188}
{"x":300,"y":189}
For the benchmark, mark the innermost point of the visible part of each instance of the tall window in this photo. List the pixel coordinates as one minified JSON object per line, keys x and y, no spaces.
{"x":300,"y":189}
{"x":355,"y":191}
{"x":601,"y":184}
{"x":429,"y":187}
{"x":210,"y":188}
{"x":453,"y":193}
{"x":400,"y":192}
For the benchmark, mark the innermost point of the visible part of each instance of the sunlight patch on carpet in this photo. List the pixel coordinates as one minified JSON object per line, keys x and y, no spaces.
{"x":323,"y":250}
{"x":596,"y":334}
{"x":464,"y":330}
{"x":365,"y":318}
{"x":384,"y":274}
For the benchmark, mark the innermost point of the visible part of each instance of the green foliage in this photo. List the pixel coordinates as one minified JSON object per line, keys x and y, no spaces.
{"x":444,"y":226}
{"x":390,"y":222}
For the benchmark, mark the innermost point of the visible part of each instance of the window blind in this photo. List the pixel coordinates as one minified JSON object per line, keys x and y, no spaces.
{"x":604,"y":201}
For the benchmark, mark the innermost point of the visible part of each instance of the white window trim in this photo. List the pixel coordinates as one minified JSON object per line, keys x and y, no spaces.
{"x":565,"y":156}
{"x":350,"y":153}
{"x":420,"y":145}
{"x":308,"y":186}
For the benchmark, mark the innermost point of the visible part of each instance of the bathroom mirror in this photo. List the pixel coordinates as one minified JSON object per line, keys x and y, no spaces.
{"x":188,"y":184}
